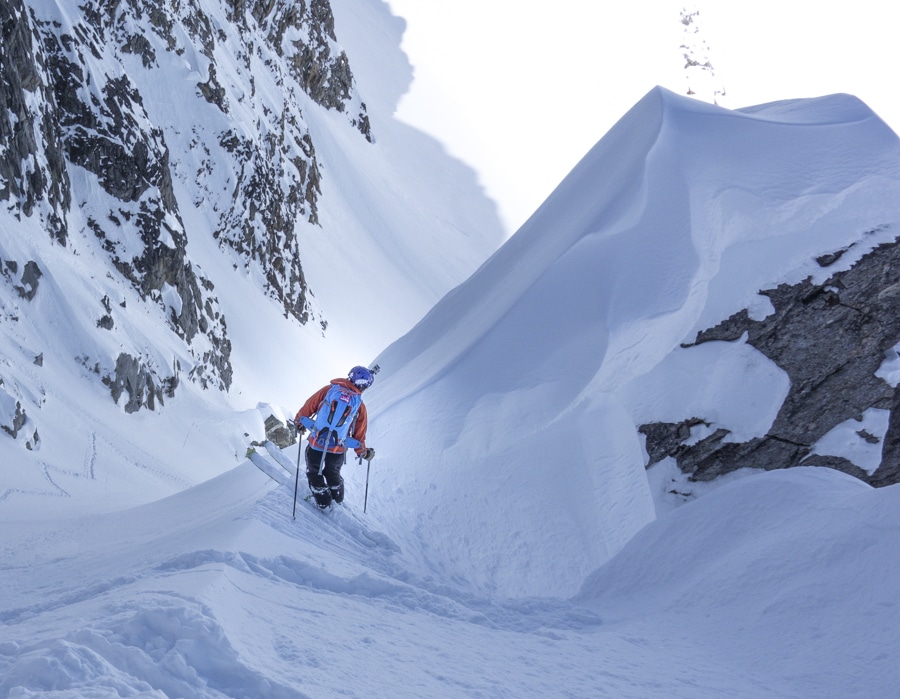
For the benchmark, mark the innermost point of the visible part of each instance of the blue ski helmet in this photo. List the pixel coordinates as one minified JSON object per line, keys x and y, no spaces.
{"x":360,"y":377}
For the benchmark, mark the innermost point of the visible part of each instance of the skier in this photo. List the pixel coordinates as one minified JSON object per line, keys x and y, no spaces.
{"x":339,"y":413}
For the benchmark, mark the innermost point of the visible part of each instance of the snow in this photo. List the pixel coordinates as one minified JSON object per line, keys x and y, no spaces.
{"x":526,"y":383}
{"x":513,"y":543}
{"x":890,"y":368}
{"x":858,"y":441}
{"x":217,"y":591}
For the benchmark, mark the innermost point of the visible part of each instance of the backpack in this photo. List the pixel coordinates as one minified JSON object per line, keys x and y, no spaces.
{"x":334,"y":419}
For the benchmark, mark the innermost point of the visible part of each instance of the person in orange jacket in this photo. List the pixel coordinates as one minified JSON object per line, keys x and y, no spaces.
{"x":325,"y":455}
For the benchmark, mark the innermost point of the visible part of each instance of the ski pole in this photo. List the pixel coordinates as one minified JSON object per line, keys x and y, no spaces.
{"x":297,"y":477}
{"x":366,"y":498}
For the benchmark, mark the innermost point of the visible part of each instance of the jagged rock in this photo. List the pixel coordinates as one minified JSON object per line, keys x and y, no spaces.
{"x":261,"y":222}
{"x":32,"y":164}
{"x":107,"y":132}
{"x":13,"y":419}
{"x":316,"y":61}
{"x":889,"y":471}
{"x":278,"y":433}
{"x":213,"y":92}
{"x":106,"y":321}
{"x":134,"y":377}
{"x":830,"y":338}
{"x":26,"y":285}
{"x":665,"y":438}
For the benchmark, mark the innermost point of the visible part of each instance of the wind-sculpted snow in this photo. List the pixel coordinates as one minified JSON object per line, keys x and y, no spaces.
{"x":218,"y":592}
{"x":792,"y":562}
{"x":509,"y":415}
{"x":514,"y":544}
{"x":167,"y":626}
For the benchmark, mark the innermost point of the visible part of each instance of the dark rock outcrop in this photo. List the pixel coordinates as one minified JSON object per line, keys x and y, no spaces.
{"x":107,"y":132}
{"x":889,"y":471}
{"x":313,"y":56}
{"x":14,"y":421}
{"x":278,"y":433}
{"x":830,"y":339}
{"x":132,"y":376}
{"x":26,"y":284}
{"x":32,"y":162}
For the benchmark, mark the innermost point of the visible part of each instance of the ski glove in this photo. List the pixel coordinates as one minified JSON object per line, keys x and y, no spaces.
{"x":368,"y":454}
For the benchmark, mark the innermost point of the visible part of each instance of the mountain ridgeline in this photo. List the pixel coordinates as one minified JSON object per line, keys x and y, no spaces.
{"x":87,"y":158}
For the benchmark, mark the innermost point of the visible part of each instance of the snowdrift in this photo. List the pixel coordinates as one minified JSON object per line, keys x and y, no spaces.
{"x":506,"y":419}
{"x":796,"y":560}
{"x":777,"y":585}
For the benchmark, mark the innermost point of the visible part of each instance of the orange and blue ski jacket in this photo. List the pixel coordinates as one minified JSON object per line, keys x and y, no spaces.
{"x":360,"y":424}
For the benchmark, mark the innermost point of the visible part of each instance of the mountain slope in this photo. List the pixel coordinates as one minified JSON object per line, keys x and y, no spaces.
{"x":513,"y":544}
{"x":202,"y":214}
{"x":512,"y":411}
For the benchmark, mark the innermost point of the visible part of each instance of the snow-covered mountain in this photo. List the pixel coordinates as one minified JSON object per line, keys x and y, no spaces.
{"x":570,"y":360}
{"x":204,"y":209}
{"x":578,"y":488}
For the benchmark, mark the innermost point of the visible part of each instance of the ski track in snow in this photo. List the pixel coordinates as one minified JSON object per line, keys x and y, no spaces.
{"x":150,"y":630}
{"x":344,"y":531}
{"x":91,"y":457}
{"x":236,"y":598}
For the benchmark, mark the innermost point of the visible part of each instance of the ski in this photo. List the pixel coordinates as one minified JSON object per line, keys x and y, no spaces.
{"x":267,"y":467}
{"x":280,"y":458}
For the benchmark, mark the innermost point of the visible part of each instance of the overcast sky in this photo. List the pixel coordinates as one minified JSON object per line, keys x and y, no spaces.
{"x":522,"y":89}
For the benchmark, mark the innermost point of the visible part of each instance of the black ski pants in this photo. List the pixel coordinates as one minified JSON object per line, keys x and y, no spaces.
{"x":329,"y":485}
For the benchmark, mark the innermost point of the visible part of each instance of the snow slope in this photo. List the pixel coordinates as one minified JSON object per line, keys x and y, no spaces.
{"x":514,"y":545}
{"x":798,"y":568}
{"x":508,"y":416}
{"x":217,"y":592}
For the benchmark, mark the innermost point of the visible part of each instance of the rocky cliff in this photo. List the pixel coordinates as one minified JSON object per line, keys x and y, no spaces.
{"x":831,"y":339}
{"x":86,"y":120}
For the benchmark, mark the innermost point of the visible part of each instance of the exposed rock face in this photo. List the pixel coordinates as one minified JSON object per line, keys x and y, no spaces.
{"x":71,"y":100}
{"x":32,"y":164}
{"x":278,"y":433}
{"x":14,"y":421}
{"x":26,"y":283}
{"x":260,"y":222}
{"x":303,"y":33}
{"x":889,"y":471}
{"x":134,"y":378}
{"x":831,"y":339}
{"x":107,"y":132}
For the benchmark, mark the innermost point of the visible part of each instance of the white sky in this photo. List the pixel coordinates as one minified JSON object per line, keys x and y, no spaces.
{"x":521,"y":89}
